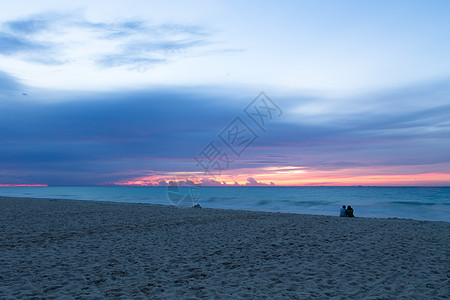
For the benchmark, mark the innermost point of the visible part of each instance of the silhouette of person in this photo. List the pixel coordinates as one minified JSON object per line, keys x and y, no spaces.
{"x":349,"y":212}
{"x":343,"y":212}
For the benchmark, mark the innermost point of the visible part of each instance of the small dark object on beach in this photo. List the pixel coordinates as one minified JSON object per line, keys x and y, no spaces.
{"x":197,"y":206}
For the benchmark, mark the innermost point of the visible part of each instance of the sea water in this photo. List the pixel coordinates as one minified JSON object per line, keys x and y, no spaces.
{"x":420,"y":203}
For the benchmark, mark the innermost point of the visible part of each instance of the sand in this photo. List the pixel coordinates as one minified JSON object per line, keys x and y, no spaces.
{"x":92,"y":250}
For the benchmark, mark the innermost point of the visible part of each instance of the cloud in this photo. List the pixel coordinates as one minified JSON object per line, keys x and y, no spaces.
{"x":27,"y":26}
{"x":129,"y":60}
{"x":211,"y":182}
{"x":11,"y":44}
{"x":252,"y":182}
{"x":52,"y":38}
{"x":101,"y":137}
{"x":144,"y":54}
{"x":162,"y":183}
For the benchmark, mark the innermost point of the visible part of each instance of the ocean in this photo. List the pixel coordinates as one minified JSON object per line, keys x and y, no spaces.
{"x":419,"y":203}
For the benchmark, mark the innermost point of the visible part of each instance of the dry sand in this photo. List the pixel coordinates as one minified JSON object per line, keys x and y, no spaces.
{"x":84,"y":249}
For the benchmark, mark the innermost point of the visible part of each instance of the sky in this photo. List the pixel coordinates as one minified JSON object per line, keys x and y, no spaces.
{"x":225,"y":93}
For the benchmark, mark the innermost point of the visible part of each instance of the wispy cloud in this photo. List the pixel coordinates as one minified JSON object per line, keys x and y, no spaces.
{"x":71,"y":38}
{"x":28,"y":26}
{"x":12,"y":44}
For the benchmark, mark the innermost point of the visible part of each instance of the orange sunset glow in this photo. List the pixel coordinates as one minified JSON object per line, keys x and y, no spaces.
{"x":293,"y":176}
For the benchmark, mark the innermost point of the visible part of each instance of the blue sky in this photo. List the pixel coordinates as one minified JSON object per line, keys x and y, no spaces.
{"x":117,"y":92}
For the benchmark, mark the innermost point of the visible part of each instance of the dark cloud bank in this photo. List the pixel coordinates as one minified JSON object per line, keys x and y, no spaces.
{"x":97,"y":138}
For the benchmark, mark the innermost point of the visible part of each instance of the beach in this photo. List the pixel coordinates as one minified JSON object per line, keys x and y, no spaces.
{"x":51,"y":248}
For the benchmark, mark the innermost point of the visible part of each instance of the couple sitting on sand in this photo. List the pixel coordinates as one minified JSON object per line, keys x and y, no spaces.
{"x":346,"y":212}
